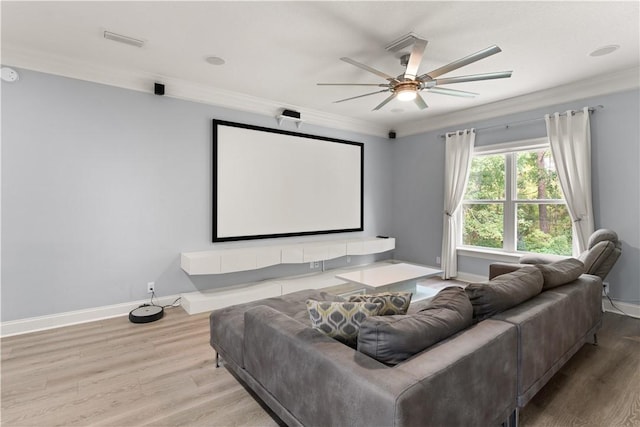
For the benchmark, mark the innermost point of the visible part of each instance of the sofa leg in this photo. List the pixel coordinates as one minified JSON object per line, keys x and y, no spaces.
{"x":512,"y":421}
{"x":595,"y":339}
{"x":217,"y":360}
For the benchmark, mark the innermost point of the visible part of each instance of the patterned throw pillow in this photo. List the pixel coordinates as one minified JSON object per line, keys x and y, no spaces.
{"x":391,"y":302}
{"x":340,"y":320}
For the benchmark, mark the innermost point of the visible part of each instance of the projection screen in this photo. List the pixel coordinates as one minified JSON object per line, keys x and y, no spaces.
{"x":274,"y":183}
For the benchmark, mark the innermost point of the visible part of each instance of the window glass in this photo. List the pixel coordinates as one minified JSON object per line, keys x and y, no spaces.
{"x":544,"y":228}
{"x":486,"y":178}
{"x":483,"y":225}
{"x":514,"y":202}
{"x":537,"y":178}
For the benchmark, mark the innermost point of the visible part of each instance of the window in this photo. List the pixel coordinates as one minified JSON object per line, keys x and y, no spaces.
{"x":513,"y":201}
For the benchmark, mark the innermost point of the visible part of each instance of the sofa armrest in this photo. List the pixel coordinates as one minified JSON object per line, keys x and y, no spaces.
{"x":322,"y":382}
{"x":500,"y":268}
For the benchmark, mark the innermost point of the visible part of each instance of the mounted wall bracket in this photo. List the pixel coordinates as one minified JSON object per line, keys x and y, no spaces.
{"x":290,"y":115}
{"x":402,"y":42}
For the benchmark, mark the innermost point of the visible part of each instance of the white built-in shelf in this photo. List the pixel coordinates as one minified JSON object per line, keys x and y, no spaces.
{"x":229,"y":260}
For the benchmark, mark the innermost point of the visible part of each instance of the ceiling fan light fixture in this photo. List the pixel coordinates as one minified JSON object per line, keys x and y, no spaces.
{"x":406,"y":94}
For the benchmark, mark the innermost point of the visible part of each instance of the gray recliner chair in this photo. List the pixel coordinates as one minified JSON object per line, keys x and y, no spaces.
{"x":603,"y":250}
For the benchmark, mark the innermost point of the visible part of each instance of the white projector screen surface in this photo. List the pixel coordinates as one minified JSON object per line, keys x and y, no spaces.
{"x":272,"y":183}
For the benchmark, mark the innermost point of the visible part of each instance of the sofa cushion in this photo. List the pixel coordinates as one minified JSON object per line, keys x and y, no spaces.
{"x":392,"y":339}
{"x":504,"y":292}
{"x":560,"y":272}
{"x":391,"y":302}
{"x":540,"y":258}
{"x":340,"y":320}
{"x":602,"y":235}
{"x":599,"y":256}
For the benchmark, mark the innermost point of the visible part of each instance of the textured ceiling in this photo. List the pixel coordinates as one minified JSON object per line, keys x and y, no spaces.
{"x":278,"y":51}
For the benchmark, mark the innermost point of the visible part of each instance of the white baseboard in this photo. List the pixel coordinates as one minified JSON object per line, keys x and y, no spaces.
{"x":629,"y":309}
{"x":41,"y":323}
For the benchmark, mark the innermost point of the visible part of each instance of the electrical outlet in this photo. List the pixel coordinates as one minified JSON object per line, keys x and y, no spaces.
{"x":348,"y":259}
{"x":316,"y":264}
{"x":605,"y":289}
{"x":151,"y":287}
{"x":437,"y":260}
{"x":311,"y":265}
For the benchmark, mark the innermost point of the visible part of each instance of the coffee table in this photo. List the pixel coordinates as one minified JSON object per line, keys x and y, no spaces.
{"x":399,"y":277}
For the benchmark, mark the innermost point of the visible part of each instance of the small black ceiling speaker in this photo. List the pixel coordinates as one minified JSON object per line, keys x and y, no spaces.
{"x":291,"y":113}
{"x":146,"y":314}
{"x":392,"y":134}
{"x":158,"y":89}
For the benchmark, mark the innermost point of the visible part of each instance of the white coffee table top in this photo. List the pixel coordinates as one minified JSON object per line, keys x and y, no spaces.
{"x":388,"y":275}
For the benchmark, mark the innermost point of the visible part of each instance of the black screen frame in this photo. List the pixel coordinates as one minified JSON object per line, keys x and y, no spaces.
{"x":216,"y":238}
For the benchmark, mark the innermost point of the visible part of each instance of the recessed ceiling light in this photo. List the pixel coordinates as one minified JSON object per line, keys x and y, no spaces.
{"x":215,"y":60}
{"x":605,"y":50}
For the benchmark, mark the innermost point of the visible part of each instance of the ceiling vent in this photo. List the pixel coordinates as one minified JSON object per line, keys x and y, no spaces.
{"x":123,"y":39}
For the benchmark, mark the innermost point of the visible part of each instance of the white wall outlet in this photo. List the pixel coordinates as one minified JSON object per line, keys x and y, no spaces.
{"x":151,"y":287}
{"x":348,"y":259}
{"x":437,"y":260}
{"x":605,"y":289}
{"x":311,"y":265}
{"x":316,"y":264}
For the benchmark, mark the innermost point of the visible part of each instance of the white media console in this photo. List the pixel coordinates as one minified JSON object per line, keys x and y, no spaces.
{"x":220,"y":261}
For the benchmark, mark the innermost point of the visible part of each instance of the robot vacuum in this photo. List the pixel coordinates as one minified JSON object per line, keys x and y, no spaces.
{"x":146,"y":313}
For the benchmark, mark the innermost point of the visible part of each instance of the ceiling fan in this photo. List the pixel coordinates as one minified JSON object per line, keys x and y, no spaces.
{"x":406,"y":87}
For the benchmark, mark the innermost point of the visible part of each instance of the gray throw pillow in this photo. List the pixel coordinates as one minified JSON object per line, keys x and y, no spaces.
{"x":504,"y":291}
{"x":560,"y":272}
{"x":340,"y":320}
{"x":391,"y":302}
{"x":392,"y":339}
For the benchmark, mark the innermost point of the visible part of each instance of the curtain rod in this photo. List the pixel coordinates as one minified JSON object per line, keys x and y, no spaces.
{"x":522,"y":122}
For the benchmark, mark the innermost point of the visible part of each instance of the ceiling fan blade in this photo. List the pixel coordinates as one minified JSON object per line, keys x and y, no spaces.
{"x":420,"y":102}
{"x":385,"y":102}
{"x":360,"y":96}
{"x":415,"y":58}
{"x":369,"y":69}
{"x":452,"y":92}
{"x":353,"y":84}
{"x":491,"y":50}
{"x":473,"y":78}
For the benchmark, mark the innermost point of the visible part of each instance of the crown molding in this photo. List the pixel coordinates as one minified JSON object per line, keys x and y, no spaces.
{"x":179,"y":89}
{"x":603,"y":85}
{"x":183,"y":89}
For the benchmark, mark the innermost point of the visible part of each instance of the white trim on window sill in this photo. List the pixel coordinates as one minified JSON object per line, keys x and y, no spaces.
{"x":494,"y":255}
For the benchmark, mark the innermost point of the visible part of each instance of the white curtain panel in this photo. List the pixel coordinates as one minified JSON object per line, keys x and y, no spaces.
{"x":458,"y":156}
{"x":570,"y":139}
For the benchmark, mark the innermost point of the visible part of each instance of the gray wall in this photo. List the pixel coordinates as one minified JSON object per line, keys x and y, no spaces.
{"x":102,"y":188}
{"x":418,"y":166}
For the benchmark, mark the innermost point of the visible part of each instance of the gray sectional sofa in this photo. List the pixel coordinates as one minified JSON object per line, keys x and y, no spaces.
{"x":479,"y":376}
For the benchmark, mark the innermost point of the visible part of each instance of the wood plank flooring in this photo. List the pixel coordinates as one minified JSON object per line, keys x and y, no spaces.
{"x":115,"y":373}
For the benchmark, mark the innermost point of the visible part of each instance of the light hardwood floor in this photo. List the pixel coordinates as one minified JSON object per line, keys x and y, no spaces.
{"x":115,"y":373}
